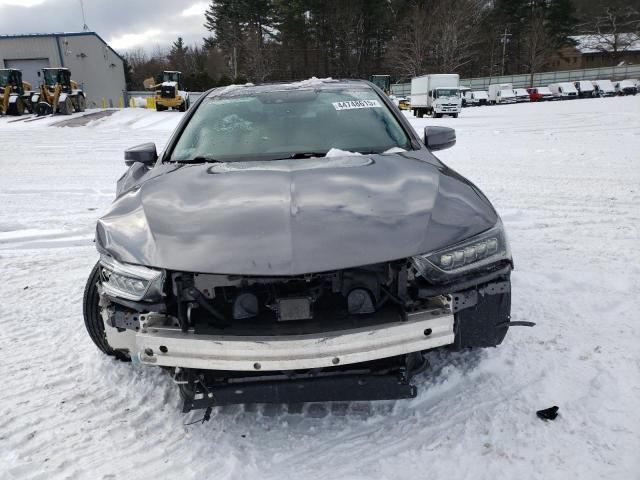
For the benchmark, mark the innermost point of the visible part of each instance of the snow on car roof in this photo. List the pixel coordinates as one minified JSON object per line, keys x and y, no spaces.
{"x":311,"y":83}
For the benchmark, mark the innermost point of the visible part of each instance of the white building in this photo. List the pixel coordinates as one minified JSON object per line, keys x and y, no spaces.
{"x":96,"y":67}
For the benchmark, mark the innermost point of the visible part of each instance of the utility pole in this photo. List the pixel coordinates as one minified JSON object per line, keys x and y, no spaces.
{"x":505,"y":38}
{"x":85,"y":27}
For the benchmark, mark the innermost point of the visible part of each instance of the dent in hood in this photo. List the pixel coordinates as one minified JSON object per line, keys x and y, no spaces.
{"x":285,"y":219}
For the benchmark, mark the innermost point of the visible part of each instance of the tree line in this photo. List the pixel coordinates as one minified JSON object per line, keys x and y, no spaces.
{"x":273,"y":40}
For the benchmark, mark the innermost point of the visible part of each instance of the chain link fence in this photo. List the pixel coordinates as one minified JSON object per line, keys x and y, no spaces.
{"x":539,"y":79}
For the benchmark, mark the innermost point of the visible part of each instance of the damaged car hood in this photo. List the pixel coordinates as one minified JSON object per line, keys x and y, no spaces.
{"x":292,"y":217}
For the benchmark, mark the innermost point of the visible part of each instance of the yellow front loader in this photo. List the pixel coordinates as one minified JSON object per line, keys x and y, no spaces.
{"x":169,"y":91}
{"x":58,"y":94}
{"x":15,"y":95}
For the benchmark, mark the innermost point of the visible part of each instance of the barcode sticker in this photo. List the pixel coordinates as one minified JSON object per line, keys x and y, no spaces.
{"x":353,"y":104}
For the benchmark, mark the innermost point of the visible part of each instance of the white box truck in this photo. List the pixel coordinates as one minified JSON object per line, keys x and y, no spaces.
{"x":501,"y":93}
{"x":436,"y":95}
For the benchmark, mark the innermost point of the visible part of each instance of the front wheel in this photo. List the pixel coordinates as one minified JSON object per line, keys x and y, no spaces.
{"x":17,"y":107}
{"x":91,"y":311}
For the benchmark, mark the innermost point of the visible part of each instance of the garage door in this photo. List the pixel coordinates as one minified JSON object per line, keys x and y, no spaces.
{"x":30,"y":67}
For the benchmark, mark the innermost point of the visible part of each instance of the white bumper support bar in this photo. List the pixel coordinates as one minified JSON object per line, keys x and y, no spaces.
{"x":171,"y":347}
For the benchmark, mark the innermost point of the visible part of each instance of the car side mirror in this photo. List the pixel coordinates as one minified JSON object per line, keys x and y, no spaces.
{"x":439,"y":138}
{"x":145,"y":153}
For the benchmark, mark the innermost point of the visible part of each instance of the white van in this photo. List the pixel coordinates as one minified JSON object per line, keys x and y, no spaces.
{"x":476,"y":98}
{"x":626,"y":87}
{"x":604,"y":88}
{"x":585,"y":88}
{"x":521,"y":95}
{"x":501,"y":93}
{"x":564,"y":90}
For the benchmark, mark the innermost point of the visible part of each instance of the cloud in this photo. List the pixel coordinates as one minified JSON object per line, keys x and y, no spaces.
{"x":21,"y":3}
{"x":131,"y":40}
{"x":124,"y":24}
{"x":195,"y":10}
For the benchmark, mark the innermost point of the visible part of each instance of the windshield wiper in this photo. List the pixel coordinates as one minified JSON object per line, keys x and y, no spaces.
{"x":201,"y":159}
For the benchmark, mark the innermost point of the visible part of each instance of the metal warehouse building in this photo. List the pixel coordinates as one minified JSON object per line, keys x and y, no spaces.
{"x":96,"y":67}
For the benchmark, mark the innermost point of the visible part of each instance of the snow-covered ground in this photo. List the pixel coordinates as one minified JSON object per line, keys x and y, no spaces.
{"x":564,"y":176}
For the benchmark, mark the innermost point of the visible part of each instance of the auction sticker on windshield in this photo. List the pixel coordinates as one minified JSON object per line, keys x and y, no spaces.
{"x":351,"y":104}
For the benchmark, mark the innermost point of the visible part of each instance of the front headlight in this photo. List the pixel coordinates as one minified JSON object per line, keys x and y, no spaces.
{"x":479,"y":251}
{"x":131,"y":282}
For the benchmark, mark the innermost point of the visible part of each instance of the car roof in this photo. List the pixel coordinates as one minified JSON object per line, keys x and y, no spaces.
{"x":310,"y":84}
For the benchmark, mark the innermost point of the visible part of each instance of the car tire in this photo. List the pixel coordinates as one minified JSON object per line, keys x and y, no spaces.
{"x":93,"y":318}
{"x":485,"y":324}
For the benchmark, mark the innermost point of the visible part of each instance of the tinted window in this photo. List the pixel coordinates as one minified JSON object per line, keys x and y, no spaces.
{"x":269,"y":124}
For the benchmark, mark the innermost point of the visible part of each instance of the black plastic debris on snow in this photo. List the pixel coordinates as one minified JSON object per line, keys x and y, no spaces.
{"x":548,"y":413}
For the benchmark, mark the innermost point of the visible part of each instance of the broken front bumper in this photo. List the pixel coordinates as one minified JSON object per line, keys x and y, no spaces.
{"x":159,"y":344}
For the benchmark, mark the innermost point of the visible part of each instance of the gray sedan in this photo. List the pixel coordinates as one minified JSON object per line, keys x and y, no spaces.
{"x":296,"y":242}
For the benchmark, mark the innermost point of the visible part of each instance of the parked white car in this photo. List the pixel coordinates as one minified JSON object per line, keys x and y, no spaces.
{"x":521,"y":95}
{"x":604,"y":88}
{"x":564,"y":90}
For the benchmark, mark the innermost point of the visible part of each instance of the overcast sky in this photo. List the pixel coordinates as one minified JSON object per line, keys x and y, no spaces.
{"x":124,"y":24}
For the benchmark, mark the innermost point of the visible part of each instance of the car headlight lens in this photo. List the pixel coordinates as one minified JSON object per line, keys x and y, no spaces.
{"x":131,"y":282}
{"x":481,"y":250}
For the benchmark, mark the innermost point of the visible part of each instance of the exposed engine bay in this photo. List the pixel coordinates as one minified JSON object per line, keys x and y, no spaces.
{"x":218,"y":330}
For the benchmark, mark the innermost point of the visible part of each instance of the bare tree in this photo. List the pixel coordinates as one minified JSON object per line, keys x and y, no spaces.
{"x":259,"y":56}
{"x":457,"y":26}
{"x":537,"y":44}
{"x":409,"y":49}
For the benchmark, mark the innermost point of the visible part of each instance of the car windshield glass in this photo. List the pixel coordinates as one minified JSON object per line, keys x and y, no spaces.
{"x":268,"y":124}
{"x":4,"y":77}
{"x":446,"y":92}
